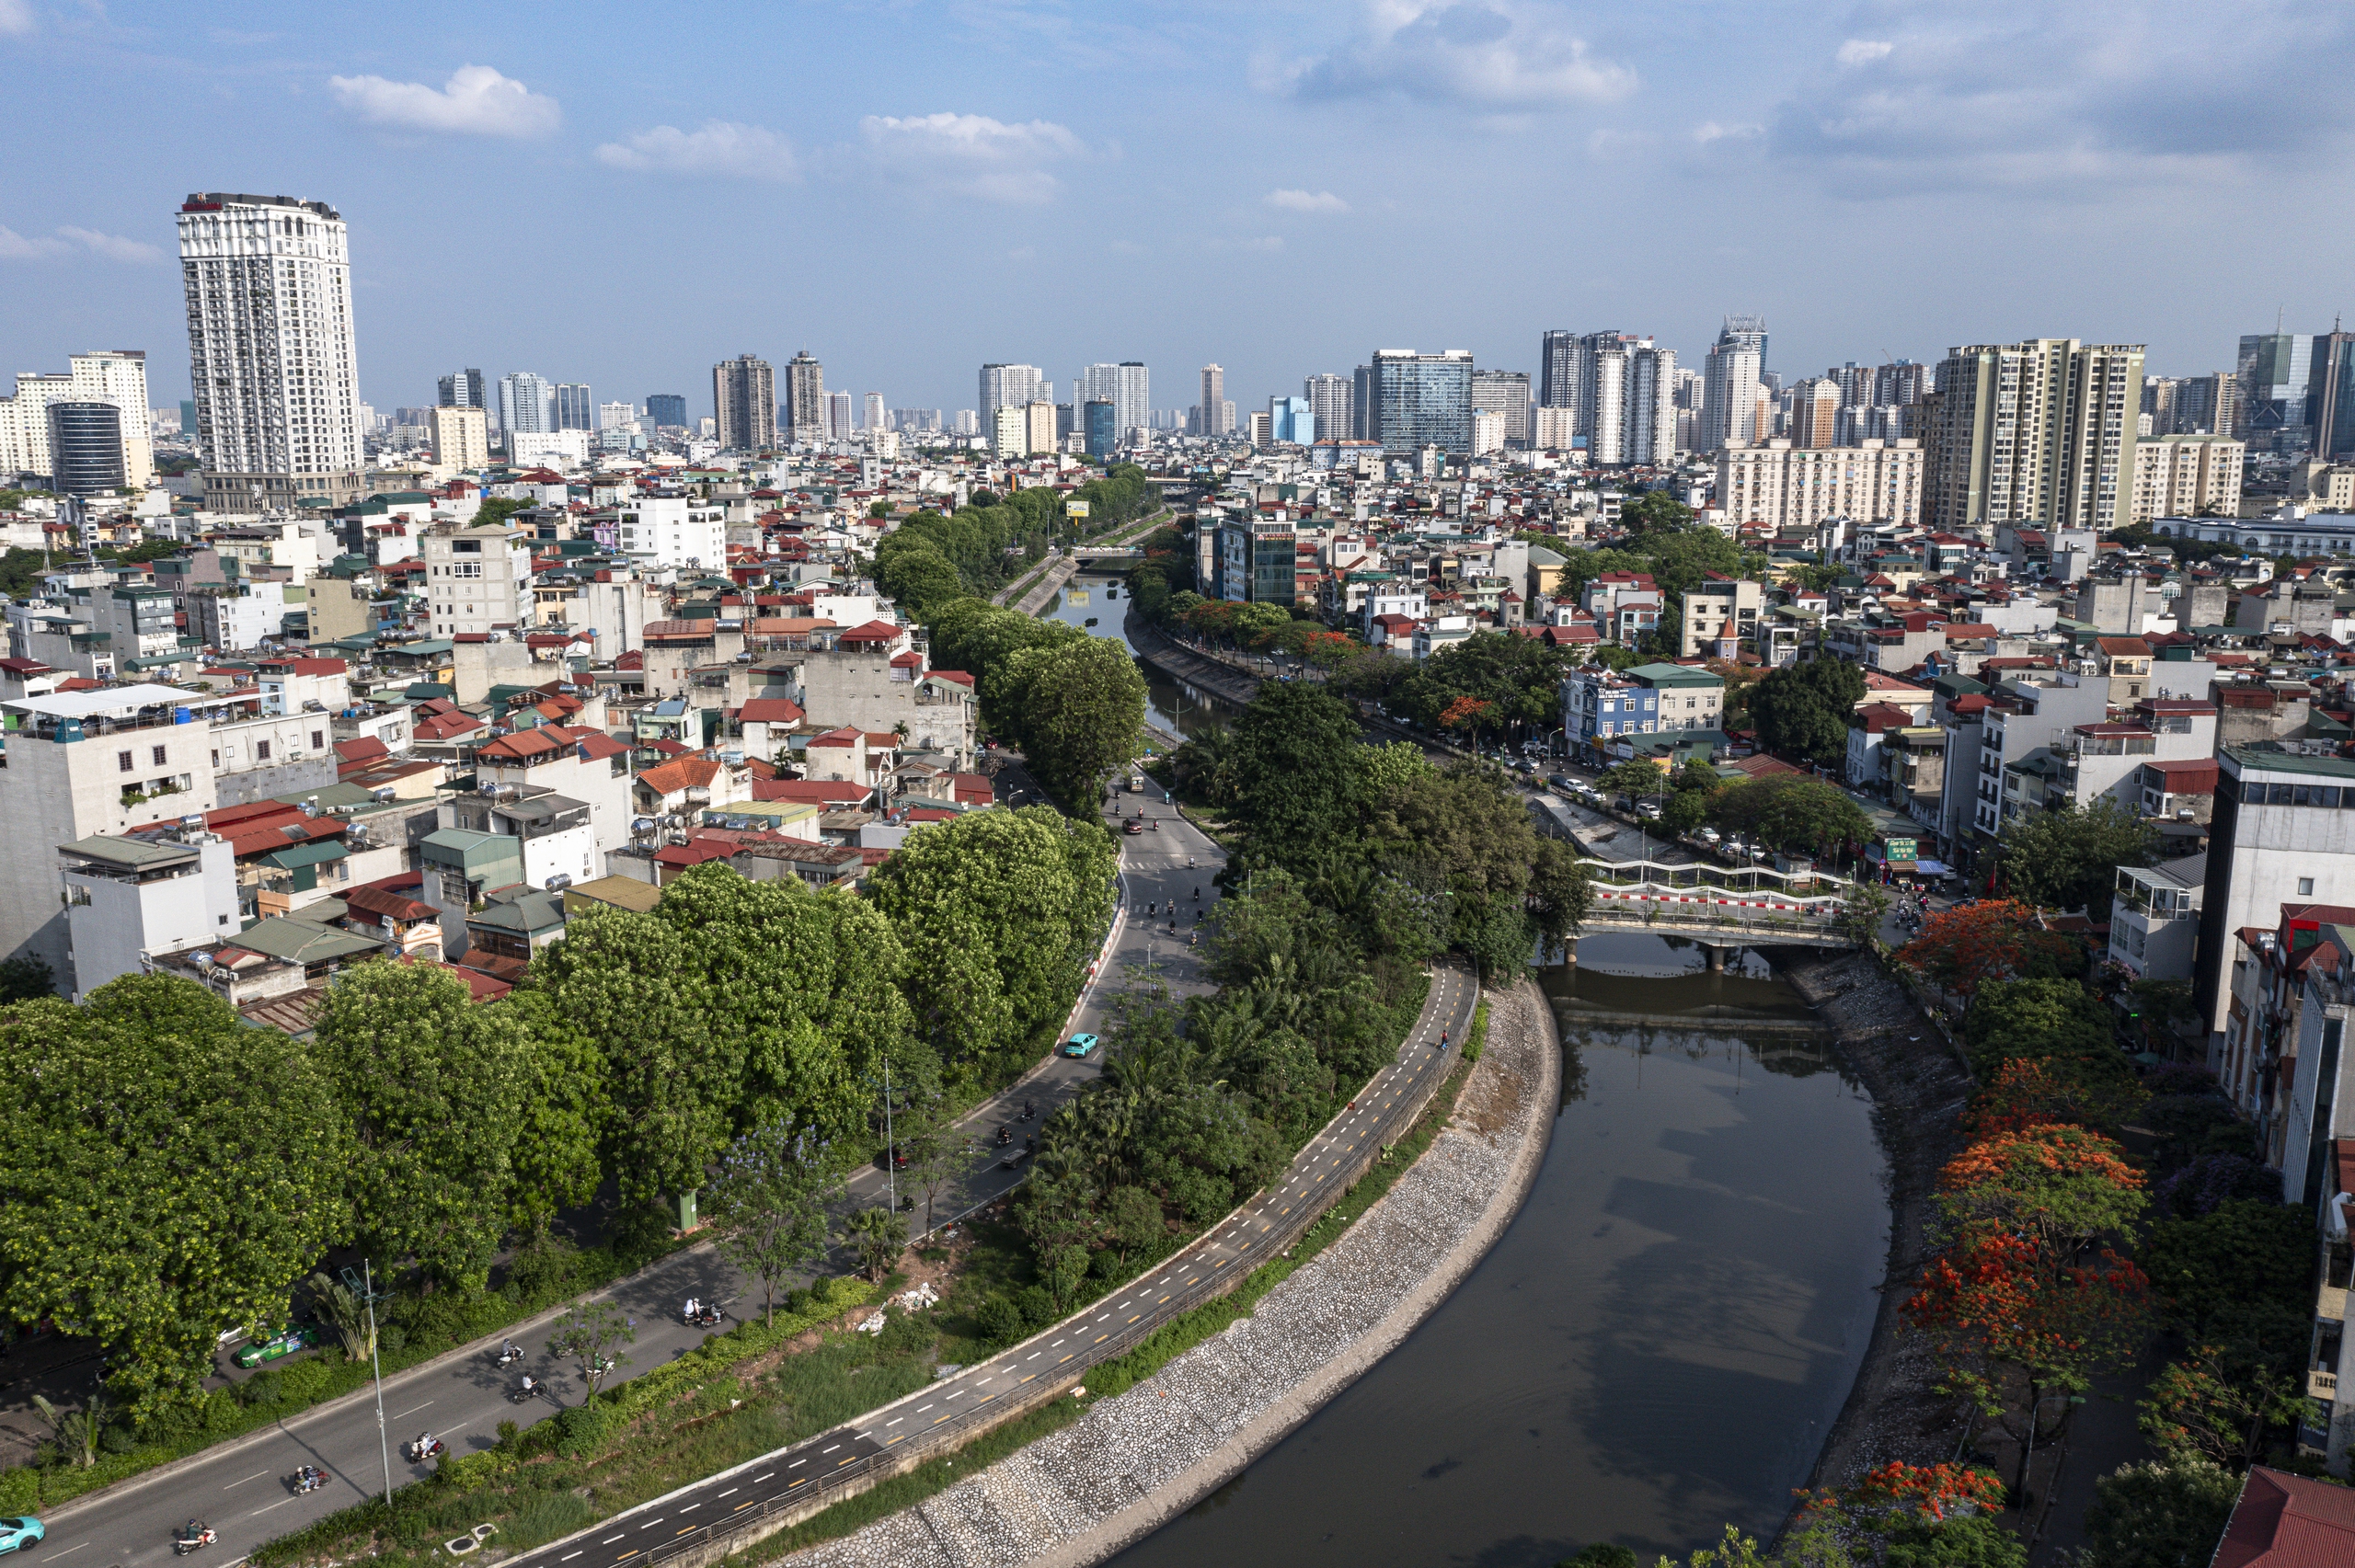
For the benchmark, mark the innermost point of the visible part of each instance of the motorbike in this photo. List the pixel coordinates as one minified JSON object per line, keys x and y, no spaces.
{"x":1155,"y":825}
{"x":186,"y":1540}
{"x":417,"y":1453}
{"x":508,"y":1355}
{"x":1004,"y":1136}
{"x":310,"y":1478}
{"x":704,"y":1316}
{"x":1029,"y":1109}
{"x":523,"y":1393}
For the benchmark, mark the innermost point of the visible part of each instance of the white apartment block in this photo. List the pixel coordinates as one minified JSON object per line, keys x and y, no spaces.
{"x":128,"y":900}
{"x":1781,"y":486}
{"x":1009,"y":430}
{"x":271,"y":356}
{"x":115,"y":376}
{"x":2188,"y":477}
{"x":678,"y":531}
{"x":477,"y":579}
{"x":2040,"y":432}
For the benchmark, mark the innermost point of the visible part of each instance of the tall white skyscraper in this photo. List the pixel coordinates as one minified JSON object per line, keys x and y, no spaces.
{"x":526,"y":403}
{"x":876,"y":419}
{"x":1627,"y":398}
{"x":1730,"y":384}
{"x":1019,"y":385}
{"x":1328,"y":404}
{"x":838,"y":416}
{"x":1127,"y":386}
{"x":272,"y":356}
{"x":1504,"y":392}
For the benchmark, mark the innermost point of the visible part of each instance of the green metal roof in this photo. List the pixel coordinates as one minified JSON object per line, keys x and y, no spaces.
{"x":305,"y":854}
{"x":299,"y":941}
{"x":137,"y":854}
{"x":1674,"y":675}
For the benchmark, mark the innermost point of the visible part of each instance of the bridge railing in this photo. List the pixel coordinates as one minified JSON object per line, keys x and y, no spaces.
{"x":1731,"y":914}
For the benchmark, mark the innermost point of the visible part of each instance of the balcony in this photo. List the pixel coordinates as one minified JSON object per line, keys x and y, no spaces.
{"x":2323,"y":1385}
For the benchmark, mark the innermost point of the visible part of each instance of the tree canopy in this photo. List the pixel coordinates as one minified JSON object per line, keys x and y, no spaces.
{"x":2065,"y":858}
{"x":1802,"y":710}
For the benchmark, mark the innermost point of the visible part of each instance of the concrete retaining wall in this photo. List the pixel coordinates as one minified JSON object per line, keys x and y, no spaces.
{"x":1134,"y":1462}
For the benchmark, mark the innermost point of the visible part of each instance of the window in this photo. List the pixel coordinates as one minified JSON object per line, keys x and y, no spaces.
{"x":319,"y":740}
{"x":2306,"y":887}
{"x":261,"y":751}
{"x":122,"y":762}
{"x":159,"y":752}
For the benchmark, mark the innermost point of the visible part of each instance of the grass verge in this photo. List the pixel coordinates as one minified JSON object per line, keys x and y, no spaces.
{"x":1181,"y":1335}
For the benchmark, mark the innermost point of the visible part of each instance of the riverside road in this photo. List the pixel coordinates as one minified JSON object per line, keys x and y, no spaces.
{"x":1239,"y":1244}
{"x":241,"y":1487}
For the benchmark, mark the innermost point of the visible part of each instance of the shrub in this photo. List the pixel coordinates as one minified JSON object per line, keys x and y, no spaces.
{"x":547,"y":1518}
{"x":2200,"y":1187}
{"x":580,"y":1430}
{"x":1038,"y":1306}
{"x":391,"y":1340}
{"x":908,"y":1333}
{"x":263,"y":1391}
{"x":999,"y":1319}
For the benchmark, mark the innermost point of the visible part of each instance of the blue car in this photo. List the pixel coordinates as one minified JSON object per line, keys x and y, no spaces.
{"x":1080,"y":1046}
{"x":20,"y":1532}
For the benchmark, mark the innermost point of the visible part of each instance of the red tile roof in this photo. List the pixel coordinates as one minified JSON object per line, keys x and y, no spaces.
{"x":686,"y":772}
{"x":2289,"y":1521}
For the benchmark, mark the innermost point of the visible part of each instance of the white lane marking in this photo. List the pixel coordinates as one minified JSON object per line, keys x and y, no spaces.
{"x":570,"y":1555}
{"x":758,"y":1479}
{"x":691,"y":1507}
{"x":69,"y":1550}
{"x":609,"y":1540}
{"x":234,"y":1484}
{"x":412,"y":1410}
{"x":729,"y":1493}
{"x":649,"y":1523}
{"x":279,"y":1504}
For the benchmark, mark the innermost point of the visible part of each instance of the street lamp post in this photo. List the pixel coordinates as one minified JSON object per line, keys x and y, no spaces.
{"x":377,"y":1365}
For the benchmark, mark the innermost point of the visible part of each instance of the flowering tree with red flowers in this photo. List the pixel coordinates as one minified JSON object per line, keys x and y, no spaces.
{"x":1933,"y":1491}
{"x":2042,"y":1090}
{"x":1330,"y":650}
{"x":2008,"y":1332}
{"x":2058,"y":1187}
{"x":1999,"y":940}
{"x":1467,"y":713}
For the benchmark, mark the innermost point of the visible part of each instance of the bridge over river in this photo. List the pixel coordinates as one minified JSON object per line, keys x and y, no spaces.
{"x":1718,"y":906}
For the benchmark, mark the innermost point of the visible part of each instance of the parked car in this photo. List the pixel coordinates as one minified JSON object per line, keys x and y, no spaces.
{"x":285,"y":1342}
{"x":21,"y":1531}
{"x":1710,"y":835}
{"x":1081,"y":1046}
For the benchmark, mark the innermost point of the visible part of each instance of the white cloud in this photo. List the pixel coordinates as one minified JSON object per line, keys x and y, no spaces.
{"x":16,"y":16}
{"x":970,"y":154}
{"x":1710,"y":130}
{"x":2102,"y":96}
{"x":1305,"y":202}
{"x":1488,"y":53}
{"x":718,"y":147}
{"x":477,"y":100}
{"x":70,"y":241}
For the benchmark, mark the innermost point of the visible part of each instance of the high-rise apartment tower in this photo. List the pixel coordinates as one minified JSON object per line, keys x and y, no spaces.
{"x":272,"y":355}
{"x":743,"y":401}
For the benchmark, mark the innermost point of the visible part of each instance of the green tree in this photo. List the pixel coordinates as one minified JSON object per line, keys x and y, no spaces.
{"x":25,"y":978}
{"x":1802,"y":710}
{"x":1078,"y":712}
{"x":76,"y":1432}
{"x":435,"y":1085}
{"x":566,"y":1107}
{"x":878,"y":1236}
{"x":1635,"y":778}
{"x":2214,"y":1405}
{"x":1300,"y":777}
{"x":2063,"y":858}
{"x":170,"y":1173}
{"x":2159,"y":1514}
{"x":999,"y":913}
{"x":1134,"y":1219}
{"x":2244,"y":1266}
{"x":768,"y":1196}
{"x":591,"y":1334}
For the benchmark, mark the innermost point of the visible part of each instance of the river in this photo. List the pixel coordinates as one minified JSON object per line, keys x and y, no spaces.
{"x":1170,"y":706}
{"x":1656,"y":1347}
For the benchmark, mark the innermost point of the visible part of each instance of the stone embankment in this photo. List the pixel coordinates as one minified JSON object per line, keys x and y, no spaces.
{"x":1919,"y":1089}
{"x":1197,"y":669}
{"x":1135,"y":1462}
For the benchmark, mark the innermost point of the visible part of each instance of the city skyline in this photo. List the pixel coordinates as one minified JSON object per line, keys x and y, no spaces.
{"x":893,"y":143}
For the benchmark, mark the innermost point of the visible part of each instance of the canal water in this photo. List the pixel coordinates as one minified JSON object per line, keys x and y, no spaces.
{"x":1657,"y":1346}
{"x":1172,"y":706}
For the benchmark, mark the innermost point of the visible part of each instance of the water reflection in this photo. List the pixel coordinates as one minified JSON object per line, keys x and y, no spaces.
{"x":1655,"y":1348}
{"x":1170,"y":706}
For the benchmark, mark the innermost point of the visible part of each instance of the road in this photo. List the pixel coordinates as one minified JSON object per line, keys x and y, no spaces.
{"x":642,"y":1533}
{"x":240,"y":1487}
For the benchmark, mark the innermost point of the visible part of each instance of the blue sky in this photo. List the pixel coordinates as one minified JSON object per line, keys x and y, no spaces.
{"x":627,"y":193}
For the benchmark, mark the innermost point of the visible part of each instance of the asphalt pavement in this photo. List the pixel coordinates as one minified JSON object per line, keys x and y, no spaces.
{"x":243,"y":1487}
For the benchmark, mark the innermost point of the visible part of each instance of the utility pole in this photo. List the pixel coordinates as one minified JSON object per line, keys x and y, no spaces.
{"x":375,"y":1363}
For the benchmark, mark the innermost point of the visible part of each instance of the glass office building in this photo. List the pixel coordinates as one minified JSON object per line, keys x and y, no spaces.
{"x":1103,"y":429}
{"x":1421,"y":400}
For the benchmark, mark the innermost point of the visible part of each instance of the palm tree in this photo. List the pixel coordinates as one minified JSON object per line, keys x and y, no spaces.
{"x":877,"y":1236}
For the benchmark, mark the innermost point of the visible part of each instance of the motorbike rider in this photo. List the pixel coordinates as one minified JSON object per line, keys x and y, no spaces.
{"x":530,"y":1387}
{"x":195,"y":1530}
{"x":424,"y":1443}
{"x":691,"y":1309}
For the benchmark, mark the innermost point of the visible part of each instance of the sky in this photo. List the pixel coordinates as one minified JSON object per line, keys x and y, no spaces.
{"x":625,"y":194}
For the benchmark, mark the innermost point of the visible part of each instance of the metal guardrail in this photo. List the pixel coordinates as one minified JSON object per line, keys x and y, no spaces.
{"x":1215,"y":1280}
